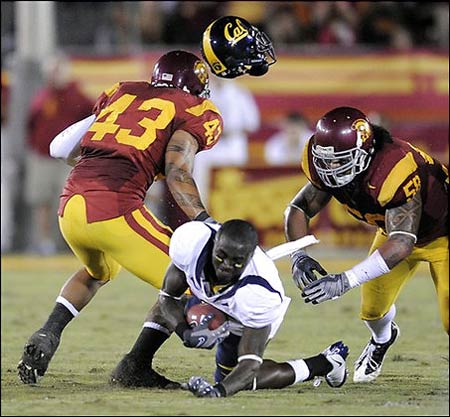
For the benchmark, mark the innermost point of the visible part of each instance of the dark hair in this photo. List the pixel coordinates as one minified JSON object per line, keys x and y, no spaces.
{"x":380,"y":136}
{"x":241,"y":230}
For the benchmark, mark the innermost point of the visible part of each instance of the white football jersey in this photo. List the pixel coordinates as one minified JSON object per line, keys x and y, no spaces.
{"x":256,"y":300}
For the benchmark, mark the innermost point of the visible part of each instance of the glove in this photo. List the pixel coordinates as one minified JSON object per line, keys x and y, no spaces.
{"x":200,"y":387}
{"x":201,"y":337}
{"x":303,"y":267}
{"x":327,"y":288}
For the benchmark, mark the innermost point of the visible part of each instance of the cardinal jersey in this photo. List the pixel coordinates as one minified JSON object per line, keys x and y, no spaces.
{"x":256,"y":300}
{"x":123,"y":151}
{"x":395,"y":174}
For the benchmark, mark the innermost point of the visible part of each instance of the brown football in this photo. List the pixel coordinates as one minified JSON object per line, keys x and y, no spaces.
{"x":197,"y":312}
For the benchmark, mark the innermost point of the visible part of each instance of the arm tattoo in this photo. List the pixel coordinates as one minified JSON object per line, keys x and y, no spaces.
{"x":311,"y":200}
{"x":173,"y":147}
{"x":405,"y":218}
{"x":180,"y":174}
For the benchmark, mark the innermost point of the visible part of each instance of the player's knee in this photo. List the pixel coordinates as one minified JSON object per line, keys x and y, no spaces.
{"x":373,"y":314}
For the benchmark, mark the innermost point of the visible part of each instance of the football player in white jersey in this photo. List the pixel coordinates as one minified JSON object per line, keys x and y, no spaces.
{"x":223,"y":266}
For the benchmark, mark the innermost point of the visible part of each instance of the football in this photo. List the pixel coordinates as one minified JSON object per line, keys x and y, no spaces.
{"x":197,"y":312}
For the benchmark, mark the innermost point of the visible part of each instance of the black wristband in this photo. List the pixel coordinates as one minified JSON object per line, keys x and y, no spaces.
{"x":180,"y":329}
{"x":219,"y":387}
{"x":202,"y":216}
{"x":298,"y":254}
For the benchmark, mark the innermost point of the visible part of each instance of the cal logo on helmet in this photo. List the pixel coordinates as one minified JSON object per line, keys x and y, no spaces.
{"x":234,"y":33}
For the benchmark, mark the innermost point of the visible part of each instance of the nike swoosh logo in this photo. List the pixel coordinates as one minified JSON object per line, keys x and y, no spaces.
{"x":338,"y":362}
{"x":372,"y":187}
{"x":200,"y":342}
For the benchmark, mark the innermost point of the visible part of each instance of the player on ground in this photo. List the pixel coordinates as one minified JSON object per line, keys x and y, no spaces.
{"x":141,"y":130}
{"x":233,"y":47}
{"x":385,"y":182}
{"x":223,"y":266}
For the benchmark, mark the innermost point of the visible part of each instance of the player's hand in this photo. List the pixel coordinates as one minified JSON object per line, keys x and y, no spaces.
{"x":203,"y":338}
{"x":327,"y":288}
{"x":200,"y":387}
{"x":303,"y":267}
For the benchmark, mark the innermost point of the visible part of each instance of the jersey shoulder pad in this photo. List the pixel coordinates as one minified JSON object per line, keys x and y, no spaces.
{"x":395,"y":175}
{"x":187,"y":241}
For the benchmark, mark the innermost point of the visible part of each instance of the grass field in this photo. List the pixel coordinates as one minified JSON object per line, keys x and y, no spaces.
{"x":414,"y":380}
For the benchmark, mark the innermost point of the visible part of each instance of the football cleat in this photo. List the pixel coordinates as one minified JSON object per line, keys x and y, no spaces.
{"x":336,"y":354}
{"x":130,"y":374}
{"x":368,"y":366}
{"x":37,"y":354}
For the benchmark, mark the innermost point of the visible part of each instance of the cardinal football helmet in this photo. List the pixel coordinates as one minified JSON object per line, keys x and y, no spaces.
{"x":181,"y":69}
{"x":342,"y":146}
{"x":232,"y":47}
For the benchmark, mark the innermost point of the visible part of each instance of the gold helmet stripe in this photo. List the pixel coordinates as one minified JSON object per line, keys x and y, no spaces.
{"x":215,"y":63}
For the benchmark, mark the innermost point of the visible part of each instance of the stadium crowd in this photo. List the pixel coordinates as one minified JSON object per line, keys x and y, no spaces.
{"x":130,"y":26}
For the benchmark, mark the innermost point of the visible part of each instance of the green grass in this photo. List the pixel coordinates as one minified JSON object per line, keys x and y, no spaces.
{"x":414,"y":380}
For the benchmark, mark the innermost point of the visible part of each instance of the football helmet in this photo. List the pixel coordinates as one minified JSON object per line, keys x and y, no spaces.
{"x":342,"y":146}
{"x":181,"y":69}
{"x":232,"y":47}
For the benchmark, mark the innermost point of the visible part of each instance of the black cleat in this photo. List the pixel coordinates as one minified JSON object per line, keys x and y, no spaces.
{"x":130,"y":374}
{"x":37,"y":354}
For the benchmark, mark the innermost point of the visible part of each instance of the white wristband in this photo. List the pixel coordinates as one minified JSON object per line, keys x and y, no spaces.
{"x":251,"y":357}
{"x":372,"y":267}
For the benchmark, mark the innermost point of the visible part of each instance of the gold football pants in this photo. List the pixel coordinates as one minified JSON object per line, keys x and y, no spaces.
{"x":136,"y":241}
{"x":378,"y":295}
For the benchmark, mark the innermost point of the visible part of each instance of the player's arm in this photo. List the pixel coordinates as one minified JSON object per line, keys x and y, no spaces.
{"x":402,"y":225}
{"x":250,"y":353}
{"x":171,"y":296}
{"x":179,"y":157}
{"x":66,"y":144}
{"x":250,"y":357}
{"x":306,"y":204}
{"x":172,"y":305}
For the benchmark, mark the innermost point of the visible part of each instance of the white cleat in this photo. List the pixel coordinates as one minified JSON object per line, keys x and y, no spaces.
{"x":368,"y":366}
{"x":336,"y":354}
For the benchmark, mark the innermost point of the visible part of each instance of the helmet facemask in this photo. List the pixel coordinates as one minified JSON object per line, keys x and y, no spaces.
{"x":337,"y":169}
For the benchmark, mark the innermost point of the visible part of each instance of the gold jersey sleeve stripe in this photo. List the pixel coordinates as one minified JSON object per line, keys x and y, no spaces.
{"x":402,"y":169}
{"x":202,"y":108}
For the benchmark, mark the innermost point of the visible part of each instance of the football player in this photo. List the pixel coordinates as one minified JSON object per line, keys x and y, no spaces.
{"x":223,"y":266}
{"x":140,"y":130}
{"x":387,"y":183}
{"x":233,"y":47}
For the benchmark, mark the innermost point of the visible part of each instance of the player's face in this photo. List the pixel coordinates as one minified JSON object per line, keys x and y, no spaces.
{"x":229,"y":259}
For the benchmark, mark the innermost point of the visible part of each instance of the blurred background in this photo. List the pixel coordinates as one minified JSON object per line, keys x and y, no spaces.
{"x":390,"y":59}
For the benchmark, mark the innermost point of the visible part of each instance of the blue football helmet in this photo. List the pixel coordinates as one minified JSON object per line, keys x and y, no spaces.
{"x":232,"y":47}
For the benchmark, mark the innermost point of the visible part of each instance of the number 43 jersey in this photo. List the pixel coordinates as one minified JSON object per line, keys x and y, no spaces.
{"x":124,"y":149}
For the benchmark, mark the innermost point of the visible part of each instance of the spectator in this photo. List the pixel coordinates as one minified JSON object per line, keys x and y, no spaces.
{"x":382,"y":26}
{"x":9,"y":172}
{"x":283,"y":26}
{"x":286,"y":146}
{"x":57,"y":105}
{"x":338,"y":26}
{"x":185,"y":25}
{"x":241,"y":117}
